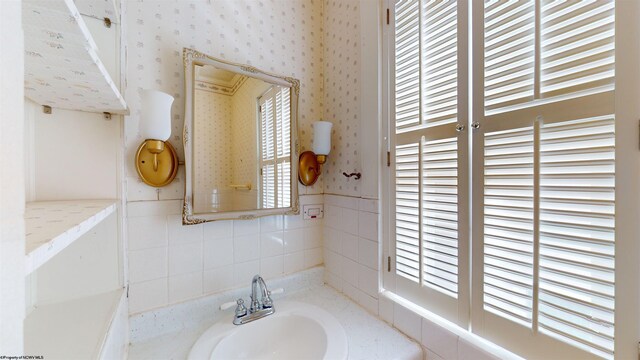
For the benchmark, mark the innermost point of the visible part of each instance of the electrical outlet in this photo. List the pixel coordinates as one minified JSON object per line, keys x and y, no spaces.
{"x":313,"y":211}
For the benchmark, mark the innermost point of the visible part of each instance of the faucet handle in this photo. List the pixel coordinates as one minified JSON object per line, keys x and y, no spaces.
{"x":268,"y":302}
{"x":241,"y":310}
{"x":228,"y":305}
{"x":276,"y":291}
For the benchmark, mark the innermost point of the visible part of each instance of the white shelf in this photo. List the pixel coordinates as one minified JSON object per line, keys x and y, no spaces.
{"x":99,"y":9}
{"x":75,"y":329}
{"x":62,"y":66}
{"x":51,"y":226}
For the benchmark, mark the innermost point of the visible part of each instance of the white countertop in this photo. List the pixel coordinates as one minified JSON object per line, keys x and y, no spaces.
{"x":368,"y":336}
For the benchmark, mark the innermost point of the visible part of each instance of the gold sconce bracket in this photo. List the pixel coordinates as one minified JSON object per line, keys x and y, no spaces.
{"x":156,"y":163}
{"x":309,"y":167}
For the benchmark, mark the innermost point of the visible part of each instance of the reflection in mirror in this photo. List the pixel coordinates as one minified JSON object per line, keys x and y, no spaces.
{"x":242,"y":142}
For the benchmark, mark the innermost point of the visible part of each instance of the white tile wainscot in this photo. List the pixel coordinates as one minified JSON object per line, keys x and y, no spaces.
{"x":169,"y":333}
{"x":51,"y":226}
{"x":170,"y":263}
{"x":351,"y":248}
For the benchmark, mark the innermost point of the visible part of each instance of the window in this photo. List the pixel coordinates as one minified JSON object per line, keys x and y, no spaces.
{"x":524,"y":196}
{"x":275,"y":139}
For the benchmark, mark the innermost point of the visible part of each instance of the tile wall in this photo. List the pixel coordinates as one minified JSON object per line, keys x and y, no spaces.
{"x":351,"y":248}
{"x":352,"y":256}
{"x":170,"y":263}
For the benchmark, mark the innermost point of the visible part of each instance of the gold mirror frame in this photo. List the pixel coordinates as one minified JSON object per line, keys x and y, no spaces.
{"x":191,"y":57}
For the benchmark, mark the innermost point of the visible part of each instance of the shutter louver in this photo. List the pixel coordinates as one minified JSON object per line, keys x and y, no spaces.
{"x":440,"y":215}
{"x":284,"y":184}
{"x":577,"y":46}
{"x":285,"y":132}
{"x":577,"y":219}
{"x":439,"y":62}
{"x":267,"y":130}
{"x":508,"y":224}
{"x":408,"y":211}
{"x":509,"y":53}
{"x":268,"y":186}
{"x":407,"y":76}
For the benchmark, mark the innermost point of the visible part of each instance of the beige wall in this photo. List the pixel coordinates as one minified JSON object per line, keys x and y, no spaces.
{"x":214,"y":160}
{"x":244,"y":130}
{"x":283,"y":37}
{"x":341,"y":94}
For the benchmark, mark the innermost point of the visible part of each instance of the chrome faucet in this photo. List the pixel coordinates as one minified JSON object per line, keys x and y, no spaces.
{"x":261,"y":303}
{"x":265,"y":301}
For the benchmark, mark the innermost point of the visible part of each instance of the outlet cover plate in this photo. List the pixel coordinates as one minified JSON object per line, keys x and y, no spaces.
{"x":315,"y":211}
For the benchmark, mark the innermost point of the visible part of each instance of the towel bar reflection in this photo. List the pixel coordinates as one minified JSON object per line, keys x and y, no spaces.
{"x":241,"y":186}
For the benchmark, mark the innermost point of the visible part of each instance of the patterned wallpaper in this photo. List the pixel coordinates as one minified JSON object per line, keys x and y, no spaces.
{"x":212,"y":128}
{"x":341,"y":94}
{"x":244,"y":130}
{"x":283,"y":37}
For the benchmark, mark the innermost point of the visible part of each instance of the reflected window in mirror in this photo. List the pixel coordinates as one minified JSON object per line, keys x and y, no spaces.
{"x":275,"y":148}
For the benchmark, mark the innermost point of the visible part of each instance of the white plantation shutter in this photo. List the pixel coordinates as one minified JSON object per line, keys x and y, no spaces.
{"x":544,"y":170}
{"x":509,"y":52}
{"x":577,"y":46}
{"x":275,"y":148}
{"x":508,"y":224}
{"x":440,"y":215}
{"x":407,"y":198}
{"x":284,"y":184}
{"x":268,"y":186}
{"x":427,"y":153}
{"x":577,"y":232}
{"x":267,"y":158}
{"x":407,"y":64}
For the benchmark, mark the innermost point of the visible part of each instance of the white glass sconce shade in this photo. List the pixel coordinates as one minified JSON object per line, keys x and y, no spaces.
{"x":322,"y":137}
{"x":155,"y":119}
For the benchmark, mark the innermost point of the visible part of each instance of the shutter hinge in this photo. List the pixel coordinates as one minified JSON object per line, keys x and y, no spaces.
{"x":388,"y":158}
{"x":388,"y":16}
{"x":127,"y":291}
{"x":260,"y":171}
{"x":388,"y":263}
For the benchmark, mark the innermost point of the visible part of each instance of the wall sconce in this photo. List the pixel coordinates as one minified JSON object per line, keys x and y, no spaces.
{"x":156,"y":160}
{"x":310,"y":161}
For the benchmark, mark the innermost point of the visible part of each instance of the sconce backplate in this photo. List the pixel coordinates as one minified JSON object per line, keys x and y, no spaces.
{"x":167,"y":165}
{"x":308,"y":169}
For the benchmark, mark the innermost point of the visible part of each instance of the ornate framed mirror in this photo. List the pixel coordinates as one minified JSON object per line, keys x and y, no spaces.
{"x":240,"y":141}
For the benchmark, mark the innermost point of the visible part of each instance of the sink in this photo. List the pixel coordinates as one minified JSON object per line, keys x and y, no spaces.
{"x":295,"y":331}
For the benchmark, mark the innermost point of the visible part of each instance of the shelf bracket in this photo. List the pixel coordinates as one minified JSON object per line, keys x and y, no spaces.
{"x":46,"y":109}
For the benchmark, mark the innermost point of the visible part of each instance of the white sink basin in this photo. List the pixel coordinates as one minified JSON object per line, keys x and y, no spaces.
{"x":296,"y":331}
